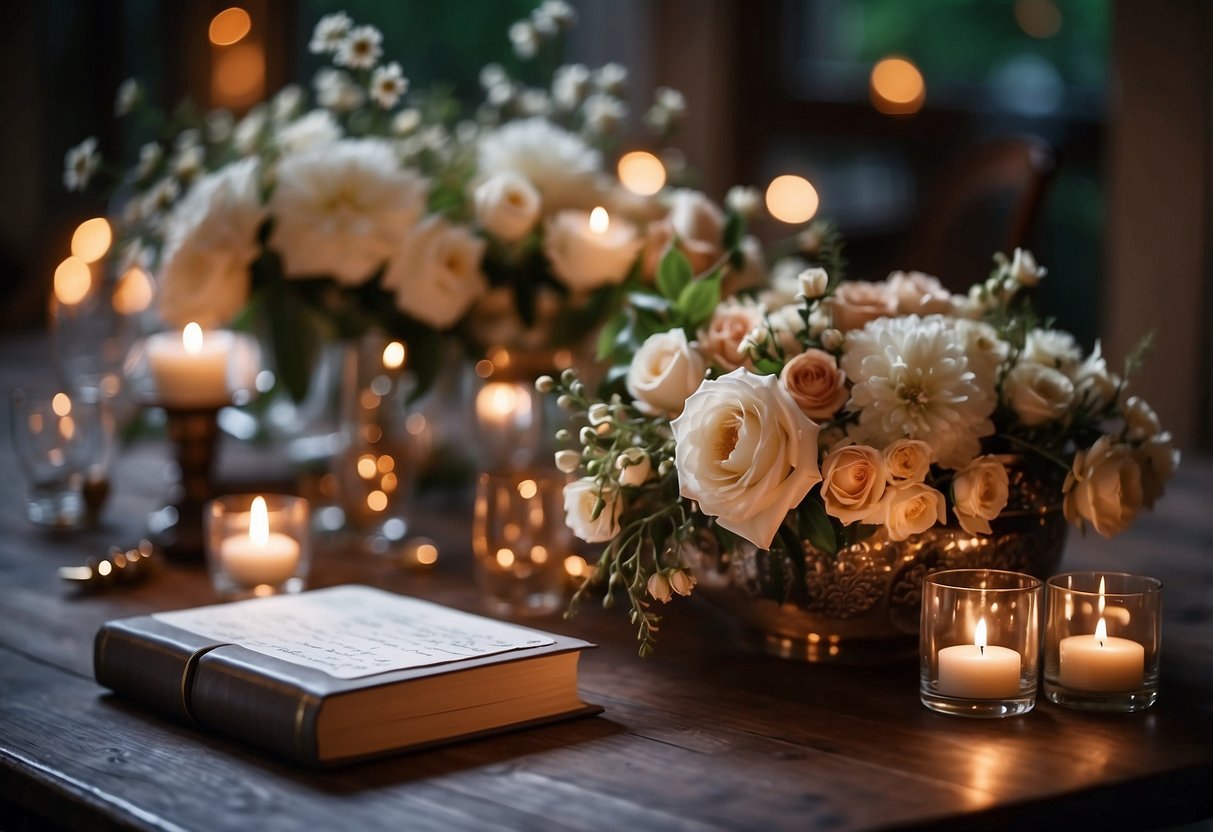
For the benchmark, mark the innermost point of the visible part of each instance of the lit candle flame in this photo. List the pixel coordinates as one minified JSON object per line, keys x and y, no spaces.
{"x":979,"y":637}
{"x":1101,"y":632}
{"x":191,"y":338}
{"x":259,"y":522}
{"x":600,"y":221}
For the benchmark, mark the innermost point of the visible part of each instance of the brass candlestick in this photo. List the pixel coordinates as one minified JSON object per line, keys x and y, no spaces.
{"x":177,"y":528}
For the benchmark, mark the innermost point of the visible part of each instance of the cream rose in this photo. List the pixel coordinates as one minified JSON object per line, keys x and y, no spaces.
{"x":1103,"y":488}
{"x":580,"y":498}
{"x":695,"y":224}
{"x":1054,"y":348}
{"x":1141,"y":422}
{"x":724,"y":339}
{"x":917,"y":293}
{"x":979,"y":494}
{"x":507,"y":206}
{"x":746,"y":453}
{"x":1038,"y":394}
{"x":586,"y":258}
{"x":912,"y":509}
{"x":854,"y":303}
{"x":813,"y":283}
{"x":436,"y":273}
{"x":665,"y":370}
{"x":906,"y":461}
{"x":816,"y":384}
{"x":1158,"y":459}
{"x":853,"y":483}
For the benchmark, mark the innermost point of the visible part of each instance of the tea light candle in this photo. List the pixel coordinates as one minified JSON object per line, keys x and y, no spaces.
{"x":1101,"y":663}
{"x":261,"y":556}
{"x":190,"y":371}
{"x":979,"y":671}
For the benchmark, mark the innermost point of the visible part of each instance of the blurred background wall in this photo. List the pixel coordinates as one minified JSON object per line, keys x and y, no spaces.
{"x":903,"y":115}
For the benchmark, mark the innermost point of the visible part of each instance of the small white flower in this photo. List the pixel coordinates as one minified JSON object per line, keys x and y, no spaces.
{"x":149,"y":157}
{"x":492,"y":75}
{"x":604,"y":114}
{"x":501,"y":94}
{"x":287,"y":102}
{"x":388,"y":85}
{"x":832,"y":339}
{"x":743,"y":201}
{"x":80,"y":163}
{"x":568,"y":461}
{"x":330,"y":33}
{"x":556,"y":13}
{"x":1024,"y":269}
{"x":813,"y":283}
{"x":406,"y":121}
{"x":570,"y":84}
{"x":361,"y":48}
{"x":247,"y":134}
{"x":161,"y":195}
{"x":315,"y":129}
{"x":672,"y":101}
{"x":599,"y":413}
{"x":188,"y":162}
{"x":336,"y":91}
{"x":189,"y":137}
{"x":534,"y":102}
{"x":127,"y":97}
{"x":219,"y":125}
{"x":524,"y":39}
{"x":611,"y":78}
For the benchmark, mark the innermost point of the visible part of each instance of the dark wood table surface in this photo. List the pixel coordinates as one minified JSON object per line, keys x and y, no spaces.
{"x":706,"y":735}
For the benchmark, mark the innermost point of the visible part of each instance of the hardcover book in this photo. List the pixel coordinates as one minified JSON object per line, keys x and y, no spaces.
{"x":340,"y":674}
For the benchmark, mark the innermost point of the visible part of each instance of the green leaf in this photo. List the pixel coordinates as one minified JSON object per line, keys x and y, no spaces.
{"x":734,"y":230}
{"x":816,"y":525}
{"x":609,"y":335}
{"x":674,"y":274}
{"x":698,"y":300}
{"x":767,"y":367}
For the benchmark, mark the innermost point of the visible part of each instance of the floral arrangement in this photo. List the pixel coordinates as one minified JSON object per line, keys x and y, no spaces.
{"x":820,"y":409}
{"x":367,"y":204}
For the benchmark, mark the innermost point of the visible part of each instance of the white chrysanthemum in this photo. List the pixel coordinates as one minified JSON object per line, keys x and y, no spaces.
{"x":210,"y":242}
{"x":80,"y":163}
{"x":314,"y":129}
{"x":913,"y":380}
{"x":361,"y":48}
{"x":330,"y":33}
{"x":342,"y":209}
{"x":388,"y":85}
{"x":558,"y":163}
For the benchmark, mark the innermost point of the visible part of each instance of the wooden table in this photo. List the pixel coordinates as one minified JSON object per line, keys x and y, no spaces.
{"x":704,"y":736}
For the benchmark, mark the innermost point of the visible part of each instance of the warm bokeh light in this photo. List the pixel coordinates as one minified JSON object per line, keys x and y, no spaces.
{"x":376,"y":501}
{"x":230,"y":26}
{"x":575,"y":565}
{"x":191,"y":338}
{"x":600,"y":221}
{"x":641,"y":172}
{"x":539,"y":554}
{"x":393,"y":355}
{"x":505,"y":558}
{"x":133,"y":294}
{"x":484,"y":368}
{"x":366,"y":466}
{"x":61,"y":404}
{"x":792,"y":199}
{"x":72,"y":281}
{"x":897,"y":87}
{"x":92,"y":239}
{"x":427,"y":554}
{"x":1038,"y":18}
{"x":237,"y":75}
{"x":527,"y":489}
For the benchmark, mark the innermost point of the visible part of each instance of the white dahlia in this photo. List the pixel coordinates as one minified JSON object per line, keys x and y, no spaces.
{"x":912,"y":380}
{"x":558,"y":163}
{"x":341,"y":209}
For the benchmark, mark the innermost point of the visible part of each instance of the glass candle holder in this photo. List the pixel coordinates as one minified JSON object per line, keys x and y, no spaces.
{"x":1102,"y":637}
{"x":258,"y":545}
{"x":980,"y":642}
{"x":520,"y":541}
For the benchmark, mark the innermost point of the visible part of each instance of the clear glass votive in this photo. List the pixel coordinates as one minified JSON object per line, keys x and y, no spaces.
{"x":257,"y":545}
{"x":1102,"y":637}
{"x":520,"y":541}
{"x":62,"y":444}
{"x":979,"y":644}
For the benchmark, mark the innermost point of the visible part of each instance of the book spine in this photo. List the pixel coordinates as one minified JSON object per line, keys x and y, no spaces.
{"x":147,"y":664}
{"x":243,"y":702}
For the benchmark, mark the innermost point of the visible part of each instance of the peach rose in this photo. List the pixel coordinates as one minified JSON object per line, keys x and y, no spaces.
{"x":816,"y":384}
{"x":854,"y":303}
{"x":722,"y":339}
{"x":919,"y":294}
{"x":912,"y":509}
{"x":979,"y":494}
{"x":1104,"y":488}
{"x":695,"y":224}
{"x":907,"y":460}
{"x":853,"y":483}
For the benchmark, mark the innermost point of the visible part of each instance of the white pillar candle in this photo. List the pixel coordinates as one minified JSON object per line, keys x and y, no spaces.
{"x":1101,"y":663}
{"x":590,"y":250}
{"x":190,"y":370}
{"x":261,"y":556}
{"x":979,"y":671}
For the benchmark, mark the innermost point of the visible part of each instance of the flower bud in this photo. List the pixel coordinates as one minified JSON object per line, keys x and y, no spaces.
{"x":563,"y":435}
{"x":587,"y":436}
{"x":565,"y":402}
{"x":634,"y":467}
{"x":659,"y":587}
{"x":599,"y":412}
{"x":545,"y":384}
{"x":682,"y":582}
{"x":664,"y":467}
{"x":831,"y":340}
{"x":568,"y":377}
{"x":813,"y":283}
{"x":568,"y":461}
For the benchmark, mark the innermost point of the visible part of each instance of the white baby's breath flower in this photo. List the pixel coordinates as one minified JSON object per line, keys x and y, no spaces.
{"x":287,"y":103}
{"x":342,"y":209}
{"x":360,"y":49}
{"x":561,"y":166}
{"x":604,"y":114}
{"x":912,"y":379}
{"x":491,"y":75}
{"x":533,"y":102}
{"x":388,"y":85}
{"x":570,"y":83}
{"x":80,"y":163}
{"x":406,"y":121}
{"x":150,"y":155}
{"x":314,"y":129}
{"x":672,"y":100}
{"x":127,"y":97}
{"x":330,"y":33}
{"x":336,"y":91}
{"x":743,"y":201}
{"x":611,"y":78}
{"x":524,"y":39}
{"x":1024,"y":269}
{"x":555,"y":13}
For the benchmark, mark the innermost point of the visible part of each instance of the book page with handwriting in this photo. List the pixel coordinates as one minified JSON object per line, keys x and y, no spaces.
{"x":354,"y":631}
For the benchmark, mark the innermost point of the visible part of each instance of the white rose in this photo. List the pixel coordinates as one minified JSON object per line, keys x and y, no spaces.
{"x":912,"y":509}
{"x":1103,"y":488}
{"x":1158,"y":460}
{"x":919,"y":294}
{"x":507,"y":206}
{"x":1052,"y":347}
{"x":584,"y":258}
{"x":1024,"y":269}
{"x":907,"y":460}
{"x":634,"y":467}
{"x":746,"y":453}
{"x":580,"y":498}
{"x":1141,"y":422}
{"x":436,"y":273}
{"x":813,"y":283}
{"x":979,"y":494}
{"x":853,"y":483}
{"x":1038,"y":394}
{"x":664,"y":372}
{"x":315,"y":129}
